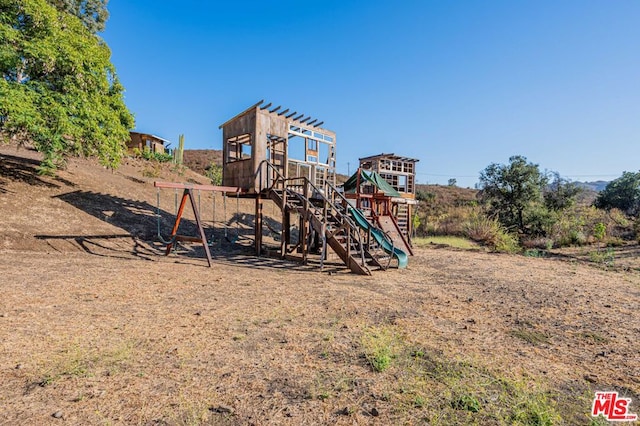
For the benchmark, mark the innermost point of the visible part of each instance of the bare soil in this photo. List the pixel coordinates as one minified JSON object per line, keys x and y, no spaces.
{"x":97,"y":326}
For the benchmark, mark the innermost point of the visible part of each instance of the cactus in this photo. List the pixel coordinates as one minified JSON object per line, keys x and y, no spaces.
{"x":179,"y":152}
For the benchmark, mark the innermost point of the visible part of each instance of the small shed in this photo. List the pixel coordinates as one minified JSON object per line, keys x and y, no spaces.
{"x":142,"y":141}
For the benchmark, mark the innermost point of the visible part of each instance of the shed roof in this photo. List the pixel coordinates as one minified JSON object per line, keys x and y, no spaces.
{"x":152,"y":136}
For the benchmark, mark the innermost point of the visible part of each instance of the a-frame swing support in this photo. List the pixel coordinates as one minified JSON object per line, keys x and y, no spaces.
{"x":188,"y":194}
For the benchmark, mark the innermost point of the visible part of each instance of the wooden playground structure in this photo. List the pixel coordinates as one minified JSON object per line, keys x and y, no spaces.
{"x":285,"y":158}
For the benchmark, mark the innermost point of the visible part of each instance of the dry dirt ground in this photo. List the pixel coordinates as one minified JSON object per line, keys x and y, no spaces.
{"x":98,"y":327}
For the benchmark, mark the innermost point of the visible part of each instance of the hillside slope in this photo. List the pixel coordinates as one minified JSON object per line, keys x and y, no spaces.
{"x":43,"y":213}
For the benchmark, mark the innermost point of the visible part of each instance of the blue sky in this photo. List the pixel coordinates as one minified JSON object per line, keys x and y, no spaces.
{"x":456,"y":84}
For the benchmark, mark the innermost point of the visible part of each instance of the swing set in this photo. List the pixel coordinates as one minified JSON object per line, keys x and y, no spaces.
{"x":188,"y":193}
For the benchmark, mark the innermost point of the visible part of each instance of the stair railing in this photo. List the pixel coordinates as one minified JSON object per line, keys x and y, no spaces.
{"x":342,"y":216}
{"x":272,"y":182}
{"x":280,"y":182}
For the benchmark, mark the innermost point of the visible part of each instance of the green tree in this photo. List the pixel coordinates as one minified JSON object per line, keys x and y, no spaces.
{"x":58,"y":89}
{"x":622,"y":193}
{"x":92,"y":13}
{"x":509,"y":190}
{"x":560,"y":194}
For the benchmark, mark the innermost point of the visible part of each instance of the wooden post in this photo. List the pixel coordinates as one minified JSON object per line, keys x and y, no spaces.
{"x":323,"y":255}
{"x":358,"y":188}
{"x":203,"y":237}
{"x":304,"y":223}
{"x":409,"y":223}
{"x":285,"y":233}
{"x":258,"y":225}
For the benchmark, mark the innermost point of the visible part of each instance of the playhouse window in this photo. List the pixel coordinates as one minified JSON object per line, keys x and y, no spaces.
{"x":239,"y":148}
{"x":402,"y":184}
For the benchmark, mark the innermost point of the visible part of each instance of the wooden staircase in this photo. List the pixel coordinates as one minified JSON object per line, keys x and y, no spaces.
{"x":326,"y":214}
{"x":330,"y":220}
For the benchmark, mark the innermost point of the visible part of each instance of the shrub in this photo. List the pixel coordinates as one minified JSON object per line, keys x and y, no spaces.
{"x":163,"y":157}
{"x":490,"y":232}
{"x":147,"y":154}
{"x":214,"y":173}
{"x":453,"y":221}
{"x":482,"y":229}
{"x":599,"y":231}
{"x":575,"y":226}
{"x":422,"y":195}
{"x":507,"y":243}
{"x":539,"y":220}
{"x":160,"y":157}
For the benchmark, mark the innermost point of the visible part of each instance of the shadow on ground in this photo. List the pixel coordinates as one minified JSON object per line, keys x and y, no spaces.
{"x":120,"y":246}
{"x":147,"y":230}
{"x":25,"y":170}
{"x":138,"y":218}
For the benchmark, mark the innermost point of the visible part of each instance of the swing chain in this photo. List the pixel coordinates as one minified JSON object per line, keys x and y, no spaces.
{"x":159,"y":220}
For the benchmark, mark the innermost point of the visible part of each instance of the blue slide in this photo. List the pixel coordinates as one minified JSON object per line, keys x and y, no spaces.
{"x":380,"y":237}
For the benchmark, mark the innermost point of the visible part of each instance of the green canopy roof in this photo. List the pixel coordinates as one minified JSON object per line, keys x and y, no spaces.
{"x":374,"y":178}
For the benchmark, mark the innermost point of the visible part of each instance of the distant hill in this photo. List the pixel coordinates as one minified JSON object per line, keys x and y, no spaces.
{"x":437,"y":199}
{"x":597,"y":186}
{"x":199,"y":160}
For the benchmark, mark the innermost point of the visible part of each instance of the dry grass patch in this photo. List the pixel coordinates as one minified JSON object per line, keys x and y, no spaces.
{"x":79,"y":361}
{"x":451,"y":241}
{"x":530,"y":336}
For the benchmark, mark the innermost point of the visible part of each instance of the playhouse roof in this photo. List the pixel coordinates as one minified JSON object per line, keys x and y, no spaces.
{"x":390,"y":156}
{"x":374,"y":178}
{"x":277,"y":112}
